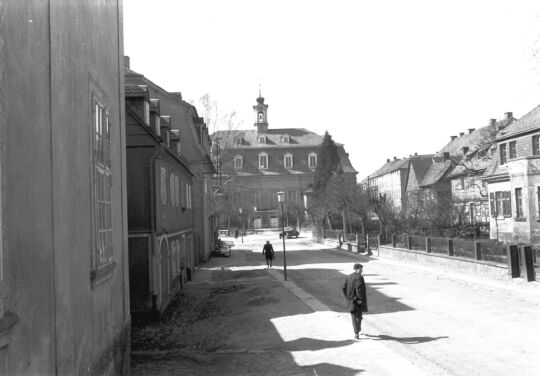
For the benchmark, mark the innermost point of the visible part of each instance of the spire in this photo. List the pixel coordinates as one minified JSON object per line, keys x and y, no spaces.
{"x":260,"y":90}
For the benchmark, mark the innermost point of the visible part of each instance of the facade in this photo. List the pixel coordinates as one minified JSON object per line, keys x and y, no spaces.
{"x":160,"y":209}
{"x":398,"y":179}
{"x":513,"y":181}
{"x":253,"y":165}
{"x":64,"y":288}
{"x":194,"y":147}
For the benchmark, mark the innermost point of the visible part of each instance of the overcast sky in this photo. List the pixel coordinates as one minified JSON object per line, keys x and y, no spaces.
{"x":385,"y":78}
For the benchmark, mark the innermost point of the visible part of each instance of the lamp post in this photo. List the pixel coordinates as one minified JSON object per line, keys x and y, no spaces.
{"x":281,"y":198}
{"x":242,"y":218}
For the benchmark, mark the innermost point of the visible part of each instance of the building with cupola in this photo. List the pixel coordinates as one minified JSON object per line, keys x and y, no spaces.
{"x":255,"y":164}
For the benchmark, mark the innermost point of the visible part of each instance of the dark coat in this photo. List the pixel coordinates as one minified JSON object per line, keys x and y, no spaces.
{"x":268,"y":251}
{"x":354,"y":289}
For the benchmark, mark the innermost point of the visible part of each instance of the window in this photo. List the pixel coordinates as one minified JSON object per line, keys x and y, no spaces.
{"x":288,"y":161}
{"x":172,"y":193}
{"x":102,"y":186}
{"x":512,"y":150}
{"x":492,"y":203}
{"x":262,"y":140}
{"x":460,"y":184}
{"x":519,"y":203}
{"x":286,"y":139}
{"x":238,"y":162}
{"x":146,"y":112}
{"x":263,"y":161}
{"x":312,"y":160}
{"x":536,"y":144}
{"x":189,"y":203}
{"x":261,"y":117}
{"x":177,"y":190}
{"x":500,"y":204}
{"x":163,"y":186}
{"x":502,"y":151}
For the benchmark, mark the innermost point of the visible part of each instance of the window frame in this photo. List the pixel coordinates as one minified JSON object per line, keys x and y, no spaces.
{"x":512,"y":151}
{"x":238,"y":163}
{"x":536,"y":144}
{"x":102,"y":247}
{"x":518,"y":196}
{"x":265,"y":166}
{"x":502,"y":154}
{"x":314,"y":155}
{"x":287,"y":157}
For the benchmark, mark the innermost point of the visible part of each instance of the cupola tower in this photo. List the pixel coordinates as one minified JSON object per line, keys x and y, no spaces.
{"x":261,"y":115}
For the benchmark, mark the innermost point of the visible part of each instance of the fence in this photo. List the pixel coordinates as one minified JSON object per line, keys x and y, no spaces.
{"x":487,"y":250}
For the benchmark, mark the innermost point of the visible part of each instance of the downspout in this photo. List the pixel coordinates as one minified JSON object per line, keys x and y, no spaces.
{"x":153,"y":237}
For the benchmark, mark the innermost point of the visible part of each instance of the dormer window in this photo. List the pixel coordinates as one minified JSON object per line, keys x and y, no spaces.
{"x":286,"y":139}
{"x":288,"y":160}
{"x":238,"y":162}
{"x":262,"y":140}
{"x":312,"y":160}
{"x":238,"y":141}
{"x":263,"y":161}
{"x":260,"y":117}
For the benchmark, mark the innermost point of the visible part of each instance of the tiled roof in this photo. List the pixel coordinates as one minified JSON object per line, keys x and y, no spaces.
{"x":528,"y":122}
{"x":495,"y":168}
{"x":435,"y":173}
{"x":421,"y":162}
{"x":421,"y":165}
{"x":250,"y":138}
{"x":136,"y":91}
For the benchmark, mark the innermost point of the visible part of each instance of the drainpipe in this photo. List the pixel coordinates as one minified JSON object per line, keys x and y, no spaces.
{"x":153,"y":237}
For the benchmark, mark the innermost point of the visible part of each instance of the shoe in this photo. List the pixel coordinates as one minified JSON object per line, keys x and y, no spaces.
{"x":356,"y":336}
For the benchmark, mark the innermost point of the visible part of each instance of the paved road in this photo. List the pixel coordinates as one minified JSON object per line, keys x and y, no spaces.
{"x":420,"y":321}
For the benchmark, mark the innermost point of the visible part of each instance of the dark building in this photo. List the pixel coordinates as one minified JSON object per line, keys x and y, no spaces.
{"x":256,"y":164}
{"x":193,"y":144}
{"x":64,"y":288}
{"x":160,"y":209}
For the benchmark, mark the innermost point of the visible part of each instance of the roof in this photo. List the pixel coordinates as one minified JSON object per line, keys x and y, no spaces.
{"x":435,"y":172}
{"x":133,"y":91}
{"x":527,"y":123}
{"x":421,"y":164}
{"x":273,"y":137}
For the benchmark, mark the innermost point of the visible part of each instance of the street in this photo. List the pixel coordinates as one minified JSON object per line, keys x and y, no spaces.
{"x":420,"y":322}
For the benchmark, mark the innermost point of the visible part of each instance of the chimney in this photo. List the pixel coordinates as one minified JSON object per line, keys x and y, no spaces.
{"x":126,"y":63}
{"x":492,"y":121}
{"x":415,"y":153}
{"x":465,"y":149}
{"x":446,"y":156}
{"x":508,"y":115}
{"x":471,"y":130}
{"x":452,"y":138}
{"x":388,"y":160}
{"x":461,"y":134}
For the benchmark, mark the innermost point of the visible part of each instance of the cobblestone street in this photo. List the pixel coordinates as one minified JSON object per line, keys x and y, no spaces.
{"x":239,"y":318}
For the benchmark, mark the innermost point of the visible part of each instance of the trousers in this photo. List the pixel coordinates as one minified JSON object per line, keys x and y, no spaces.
{"x":356,"y":317}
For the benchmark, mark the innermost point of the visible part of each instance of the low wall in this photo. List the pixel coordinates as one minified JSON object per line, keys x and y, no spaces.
{"x":443,"y":262}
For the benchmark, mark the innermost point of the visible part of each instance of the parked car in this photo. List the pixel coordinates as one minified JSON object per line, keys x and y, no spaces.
{"x":222,"y":248}
{"x":289,"y":232}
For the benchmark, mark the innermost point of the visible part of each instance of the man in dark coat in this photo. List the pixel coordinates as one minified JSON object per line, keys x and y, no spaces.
{"x":268,"y":252}
{"x":354,"y":289}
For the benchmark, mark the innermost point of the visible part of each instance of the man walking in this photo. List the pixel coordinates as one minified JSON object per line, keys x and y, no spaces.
{"x":354,"y":289}
{"x":268,"y":252}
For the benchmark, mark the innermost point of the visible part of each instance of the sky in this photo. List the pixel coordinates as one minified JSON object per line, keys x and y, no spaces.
{"x":386,"y":78}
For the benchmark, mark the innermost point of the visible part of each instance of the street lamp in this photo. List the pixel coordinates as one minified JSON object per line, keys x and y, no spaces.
{"x":281,"y":198}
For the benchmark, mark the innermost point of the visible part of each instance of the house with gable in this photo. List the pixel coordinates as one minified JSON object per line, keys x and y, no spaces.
{"x":513,"y":182}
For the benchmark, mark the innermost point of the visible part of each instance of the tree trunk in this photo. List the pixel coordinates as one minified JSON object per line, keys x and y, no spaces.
{"x":362,"y":226}
{"x":344,"y":221}
{"x":229,"y":225}
{"x":328,"y":222}
{"x":350,"y":221}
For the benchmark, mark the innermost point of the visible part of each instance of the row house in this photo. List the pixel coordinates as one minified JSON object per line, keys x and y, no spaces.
{"x":64,"y":288}
{"x":399,"y":179}
{"x":453,"y":188}
{"x":513,"y":182}
{"x":194,"y":146}
{"x":254,"y":165}
{"x":160,"y":206}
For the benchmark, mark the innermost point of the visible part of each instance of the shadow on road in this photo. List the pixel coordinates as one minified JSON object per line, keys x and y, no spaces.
{"x":407,"y":340}
{"x":312,"y":344}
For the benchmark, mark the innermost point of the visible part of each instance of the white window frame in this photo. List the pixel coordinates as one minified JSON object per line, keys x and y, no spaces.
{"x":262,"y":140}
{"x":285,"y":158}
{"x":238,"y":163}
{"x":286,"y":139}
{"x":309,"y":160}
{"x":265,"y":165}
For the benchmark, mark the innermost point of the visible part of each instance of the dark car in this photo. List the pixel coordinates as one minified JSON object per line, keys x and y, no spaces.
{"x":289,"y":232}
{"x":222,"y":248}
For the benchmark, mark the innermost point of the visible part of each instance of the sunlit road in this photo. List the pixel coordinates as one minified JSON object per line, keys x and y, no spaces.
{"x":443,"y":325}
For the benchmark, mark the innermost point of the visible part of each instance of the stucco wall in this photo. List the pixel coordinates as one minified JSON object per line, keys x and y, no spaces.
{"x":57,"y":56}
